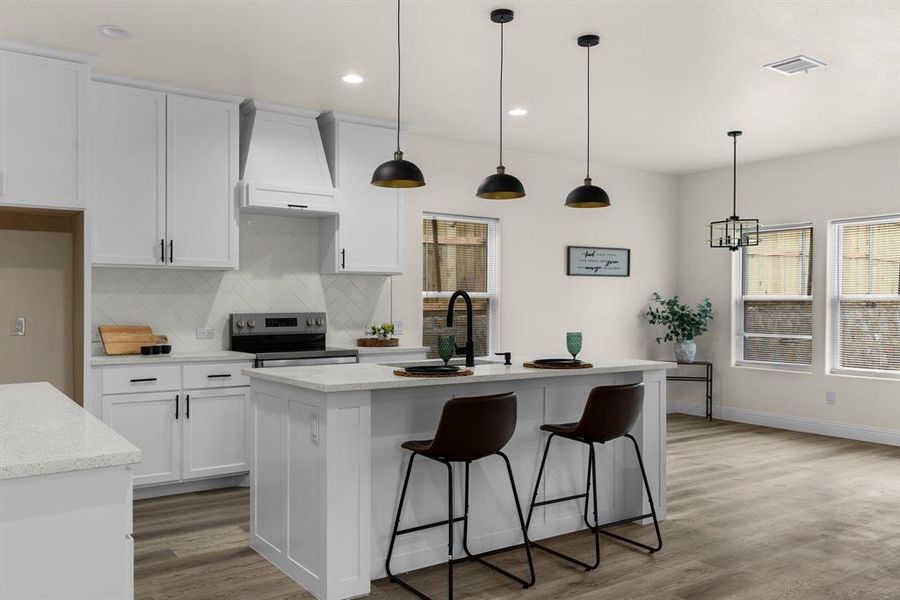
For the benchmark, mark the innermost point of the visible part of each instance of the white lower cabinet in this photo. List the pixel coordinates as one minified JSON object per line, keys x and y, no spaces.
{"x":185,"y":434}
{"x":214,"y":433}
{"x":150,"y":422}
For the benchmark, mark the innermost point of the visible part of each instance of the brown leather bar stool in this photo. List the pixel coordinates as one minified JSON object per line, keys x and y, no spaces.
{"x":470,"y":429}
{"x":610,"y":413}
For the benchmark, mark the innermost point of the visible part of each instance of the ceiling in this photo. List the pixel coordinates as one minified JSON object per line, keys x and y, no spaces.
{"x":669,"y":78}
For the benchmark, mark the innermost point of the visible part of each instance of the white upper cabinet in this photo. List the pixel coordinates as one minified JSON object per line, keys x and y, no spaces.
{"x":367,"y":237}
{"x":129,"y":175}
{"x":165,"y":172}
{"x":201,"y":182}
{"x":43,"y":115}
{"x":283,"y":166}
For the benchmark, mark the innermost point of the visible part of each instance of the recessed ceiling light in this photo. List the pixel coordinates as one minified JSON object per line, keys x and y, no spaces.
{"x":114,"y":32}
{"x":517,"y":112}
{"x":352,"y":78}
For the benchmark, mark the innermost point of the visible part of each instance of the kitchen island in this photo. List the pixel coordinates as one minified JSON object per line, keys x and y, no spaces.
{"x":65,"y":499}
{"x":327,"y":464}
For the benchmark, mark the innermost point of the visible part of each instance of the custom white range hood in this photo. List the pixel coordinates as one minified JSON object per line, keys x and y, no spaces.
{"x":283,"y":165}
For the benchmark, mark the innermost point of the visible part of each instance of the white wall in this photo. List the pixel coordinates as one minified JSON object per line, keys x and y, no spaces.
{"x":539,"y":303}
{"x":847,"y":182}
{"x":279,"y":272}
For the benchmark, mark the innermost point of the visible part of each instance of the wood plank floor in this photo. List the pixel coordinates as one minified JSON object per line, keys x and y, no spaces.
{"x":753,"y":513}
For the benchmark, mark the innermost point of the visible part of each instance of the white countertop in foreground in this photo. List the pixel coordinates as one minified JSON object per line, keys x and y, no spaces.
{"x":42,"y":431}
{"x":356,"y":377}
{"x":175,"y":357}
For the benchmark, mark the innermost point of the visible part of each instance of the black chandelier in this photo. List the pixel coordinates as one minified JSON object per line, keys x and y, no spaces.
{"x":734,"y":232}
{"x":501,"y":185}
{"x":398,"y":173}
{"x":588,"y":195}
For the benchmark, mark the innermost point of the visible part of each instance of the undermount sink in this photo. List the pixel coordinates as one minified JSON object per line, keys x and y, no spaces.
{"x":457,"y":362}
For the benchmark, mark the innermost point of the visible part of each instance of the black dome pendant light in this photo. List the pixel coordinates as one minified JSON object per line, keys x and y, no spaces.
{"x":734,"y":232}
{"x":501,"y":185}
{"x":398,"y":173}
{"x":588,"y":195}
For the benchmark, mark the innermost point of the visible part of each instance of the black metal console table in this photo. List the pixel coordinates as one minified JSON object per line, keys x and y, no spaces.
{"x":708,"y":379}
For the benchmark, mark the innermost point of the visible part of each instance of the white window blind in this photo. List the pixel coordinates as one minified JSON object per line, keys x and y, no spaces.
{"x":459,"y":253}
{"x":866,"y":302}
{"x":775,"y":304}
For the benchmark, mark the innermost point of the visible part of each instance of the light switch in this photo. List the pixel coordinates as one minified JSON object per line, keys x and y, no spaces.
{"x":18,"y":326}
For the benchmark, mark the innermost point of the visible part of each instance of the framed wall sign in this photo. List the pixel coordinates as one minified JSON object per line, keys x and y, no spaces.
{"x":598,"y":262}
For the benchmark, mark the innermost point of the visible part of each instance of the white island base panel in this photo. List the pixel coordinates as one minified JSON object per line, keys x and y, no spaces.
{"x":328,"y":469}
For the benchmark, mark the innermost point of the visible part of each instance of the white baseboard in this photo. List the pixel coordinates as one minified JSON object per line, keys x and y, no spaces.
{"x":877,"y":435}
{"x":186,"y":487}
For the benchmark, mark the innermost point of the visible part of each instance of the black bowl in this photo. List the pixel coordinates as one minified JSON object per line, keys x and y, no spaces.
{"x":165,"y":348}
{"x":155,"y":349}
{"x":432,"y":370}
{"x":557,"y":361}
{"x":146,"y":350}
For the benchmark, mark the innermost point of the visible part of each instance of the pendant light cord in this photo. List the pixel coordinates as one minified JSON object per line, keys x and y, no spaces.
{"x":734,"y":181}
{"x":398,"y":75}
{"x":501,"y":93}
{"x":588,"y":167}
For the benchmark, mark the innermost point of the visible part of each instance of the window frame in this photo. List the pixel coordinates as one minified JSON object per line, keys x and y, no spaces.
{"x":738,"y":299}
{"x":492,"y":295}
{"x":835,"y":274}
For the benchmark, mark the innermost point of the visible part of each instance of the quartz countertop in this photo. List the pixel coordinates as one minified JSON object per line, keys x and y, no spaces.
{"x":174,"y":357}
{"x":356,"y":377}
{"x":42,"y":431}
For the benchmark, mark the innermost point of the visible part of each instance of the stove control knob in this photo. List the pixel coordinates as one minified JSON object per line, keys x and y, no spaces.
{"x":309,"y":322}
{"x":251,"y":323}
{"x":240,"y":323}
{"x":320,"y":322}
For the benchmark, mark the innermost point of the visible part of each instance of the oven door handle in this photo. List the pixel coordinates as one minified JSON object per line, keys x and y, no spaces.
{"x":307,"y":362}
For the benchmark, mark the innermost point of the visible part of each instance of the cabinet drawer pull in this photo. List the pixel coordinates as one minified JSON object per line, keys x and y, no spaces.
{"x":171,"y":250}
{"x":162,"y":251}
{"x":176,"y":407}
{"x":187,"y":409}
{"x":298,"y":206}
{"x":343,"y":258}
{"x":222,"y":376}
{"x":143,"y":380}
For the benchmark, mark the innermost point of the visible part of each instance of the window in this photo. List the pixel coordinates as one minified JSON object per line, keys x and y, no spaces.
{"x":459,"y":253}
{"x":866,"y":295}
{"x":774,"y":310}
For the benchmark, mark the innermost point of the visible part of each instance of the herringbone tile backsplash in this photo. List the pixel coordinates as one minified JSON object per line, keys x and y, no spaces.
{"x":279,"y":272}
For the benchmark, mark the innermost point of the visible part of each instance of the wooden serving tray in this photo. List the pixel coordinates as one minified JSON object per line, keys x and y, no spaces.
{"x":460,"y":373}
{"x":128,"y":339}
{"x":369,"y":342}
{"x":584,"y":365}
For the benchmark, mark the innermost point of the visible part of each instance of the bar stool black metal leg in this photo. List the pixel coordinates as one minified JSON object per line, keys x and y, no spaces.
{"x":651,"y":514}
{"x":479,"y":558}
{"x":591,"y":476}
{"x":387,"y":564}
{"x":450,"y":529}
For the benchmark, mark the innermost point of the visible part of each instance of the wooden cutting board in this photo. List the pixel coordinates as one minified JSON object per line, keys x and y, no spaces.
{"x":128,"y":339}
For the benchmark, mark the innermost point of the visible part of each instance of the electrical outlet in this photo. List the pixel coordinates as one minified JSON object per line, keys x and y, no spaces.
{"x":205,"y":333}
{"x":398,"y":326}
{"x":830,"y":397}
{"x":18,"y":326}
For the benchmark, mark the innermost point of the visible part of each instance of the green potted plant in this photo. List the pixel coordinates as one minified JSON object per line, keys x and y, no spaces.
{"x":683,"y":323}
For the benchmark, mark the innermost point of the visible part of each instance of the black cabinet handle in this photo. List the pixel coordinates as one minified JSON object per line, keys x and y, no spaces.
{"x":223,"y":375}
{"x":162,"y":251}
{"x":143,"y":379}
{"x":176,"y":407}
{"x":171,"y":248}
{"x":187,"y":409}
{"x":298,"y":206}
{"x":343,"y":258}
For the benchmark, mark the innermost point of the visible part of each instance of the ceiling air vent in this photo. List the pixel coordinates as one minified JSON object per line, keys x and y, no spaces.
{"x":797,"y":64}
